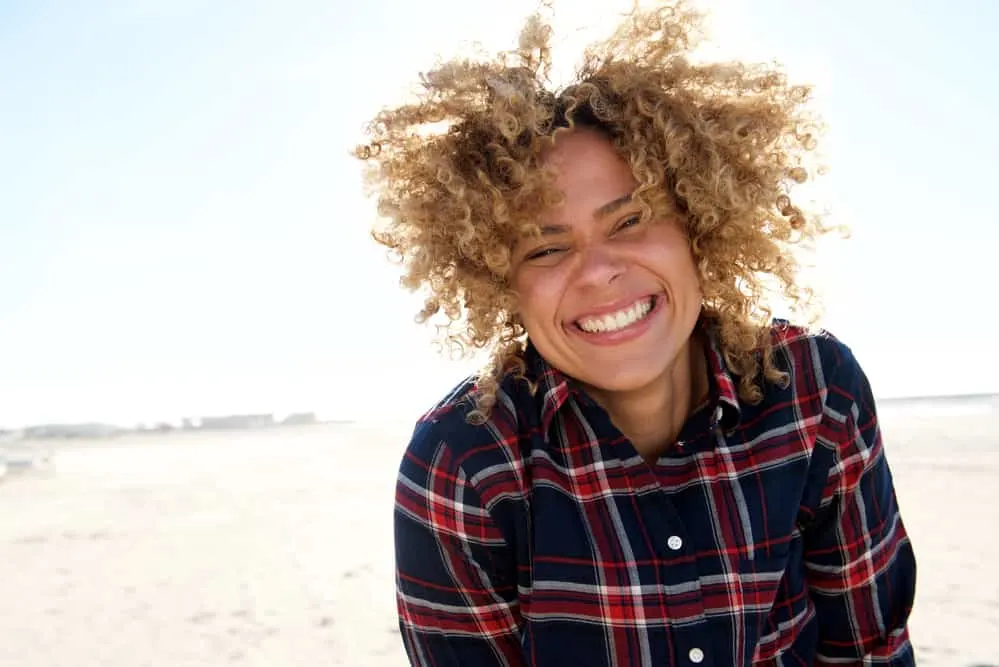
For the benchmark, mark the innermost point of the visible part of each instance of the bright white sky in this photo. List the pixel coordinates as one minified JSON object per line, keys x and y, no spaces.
{"x":182,"y":231}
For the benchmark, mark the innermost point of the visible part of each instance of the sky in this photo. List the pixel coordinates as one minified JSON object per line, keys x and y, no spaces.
{"x":183,"y":231}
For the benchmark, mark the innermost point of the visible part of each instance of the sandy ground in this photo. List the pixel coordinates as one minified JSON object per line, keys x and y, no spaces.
{"x":274,"y":548}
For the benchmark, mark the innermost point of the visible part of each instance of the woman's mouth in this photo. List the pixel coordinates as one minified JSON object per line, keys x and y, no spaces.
{"x":618,"y":320}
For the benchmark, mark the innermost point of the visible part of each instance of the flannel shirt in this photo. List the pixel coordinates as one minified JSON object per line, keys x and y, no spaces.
{"x":768,"y":534}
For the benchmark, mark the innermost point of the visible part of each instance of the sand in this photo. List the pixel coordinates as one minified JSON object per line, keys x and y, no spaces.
{"x":274,"y":547}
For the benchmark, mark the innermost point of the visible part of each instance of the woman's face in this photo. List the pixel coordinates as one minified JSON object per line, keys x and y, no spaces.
{"x":606,"y":298}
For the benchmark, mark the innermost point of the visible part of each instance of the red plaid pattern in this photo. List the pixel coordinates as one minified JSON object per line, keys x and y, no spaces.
{"x":768,"y":535}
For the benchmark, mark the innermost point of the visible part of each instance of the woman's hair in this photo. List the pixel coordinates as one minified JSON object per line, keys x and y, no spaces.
{"x":459,"y":178}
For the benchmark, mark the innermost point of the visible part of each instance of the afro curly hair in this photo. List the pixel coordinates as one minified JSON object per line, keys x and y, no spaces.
{"x":459,"y":178}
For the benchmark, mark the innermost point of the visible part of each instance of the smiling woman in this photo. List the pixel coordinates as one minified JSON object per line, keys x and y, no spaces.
{"x":610,"y":297}
{"x":650,"y":471}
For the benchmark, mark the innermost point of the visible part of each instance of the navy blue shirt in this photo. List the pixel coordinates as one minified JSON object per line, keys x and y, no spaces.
{"x":768,"y":534}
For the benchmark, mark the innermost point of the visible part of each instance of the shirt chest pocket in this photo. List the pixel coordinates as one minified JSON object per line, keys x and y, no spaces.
{"x":584,"y":561}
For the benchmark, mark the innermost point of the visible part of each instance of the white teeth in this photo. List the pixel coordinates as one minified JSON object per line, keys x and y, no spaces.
{"x":618,"y":320}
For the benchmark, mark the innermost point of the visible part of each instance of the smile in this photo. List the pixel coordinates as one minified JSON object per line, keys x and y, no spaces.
{"x":620,"y":319}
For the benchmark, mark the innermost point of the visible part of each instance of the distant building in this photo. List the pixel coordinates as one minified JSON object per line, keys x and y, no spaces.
{"x":237,"y":422}
{"x":91,"y":430}
{"x":299,"y":418}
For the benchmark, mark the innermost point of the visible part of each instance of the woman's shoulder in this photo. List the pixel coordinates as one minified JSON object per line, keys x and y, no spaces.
{"x":448,"y":440}
{"x":814,"y":355}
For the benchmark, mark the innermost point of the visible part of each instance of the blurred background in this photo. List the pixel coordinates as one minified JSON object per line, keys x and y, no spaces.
{"x":184,"y":236}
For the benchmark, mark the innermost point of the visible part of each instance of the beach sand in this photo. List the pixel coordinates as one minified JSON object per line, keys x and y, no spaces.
{"x":274,"y":548}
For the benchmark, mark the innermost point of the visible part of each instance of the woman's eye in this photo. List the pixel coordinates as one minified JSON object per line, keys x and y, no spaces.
{"x":544,"y":252}
{"x":630,"y":222}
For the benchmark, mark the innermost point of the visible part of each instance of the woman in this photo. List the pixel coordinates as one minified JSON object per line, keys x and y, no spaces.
{"x":650,"y":471}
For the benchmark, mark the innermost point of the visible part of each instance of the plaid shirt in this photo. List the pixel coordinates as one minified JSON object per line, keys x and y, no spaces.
{"x":768,"y":534}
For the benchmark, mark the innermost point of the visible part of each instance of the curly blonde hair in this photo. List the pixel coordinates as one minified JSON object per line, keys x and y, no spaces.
{"x":459,"y":178}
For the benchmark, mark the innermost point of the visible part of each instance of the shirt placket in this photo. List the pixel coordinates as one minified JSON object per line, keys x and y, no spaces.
{"x":679,"y":576}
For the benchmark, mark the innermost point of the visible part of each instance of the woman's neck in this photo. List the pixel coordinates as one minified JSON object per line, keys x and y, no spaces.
{"x":652,"y":417}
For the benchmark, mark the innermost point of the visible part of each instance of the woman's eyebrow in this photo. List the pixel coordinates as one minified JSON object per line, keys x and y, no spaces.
{"x":612,"y":206}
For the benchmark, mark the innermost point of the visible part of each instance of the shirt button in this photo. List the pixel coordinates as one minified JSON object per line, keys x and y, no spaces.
{"x":674,"y":543}
{"x":696,"y":656}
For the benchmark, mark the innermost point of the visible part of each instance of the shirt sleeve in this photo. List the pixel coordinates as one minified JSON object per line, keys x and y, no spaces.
{"x":859,"y":563}
{"x":455,"y":577}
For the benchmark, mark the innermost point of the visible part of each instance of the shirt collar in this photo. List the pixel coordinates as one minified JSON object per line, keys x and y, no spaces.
{"x":723,"y":392}
{"x":554,"y":388}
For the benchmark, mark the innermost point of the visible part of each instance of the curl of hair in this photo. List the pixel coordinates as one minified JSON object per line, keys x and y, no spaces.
{"x":459,"y":178}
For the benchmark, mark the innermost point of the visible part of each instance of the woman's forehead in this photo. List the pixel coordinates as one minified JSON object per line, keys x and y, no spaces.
{"x":584,"y":166}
